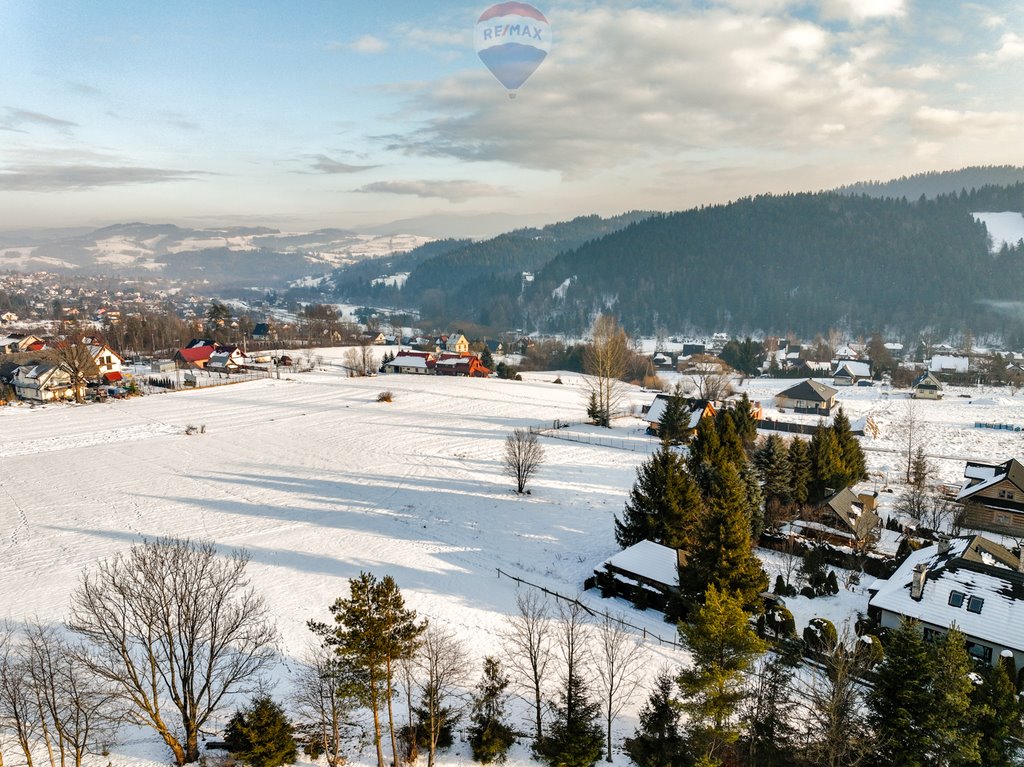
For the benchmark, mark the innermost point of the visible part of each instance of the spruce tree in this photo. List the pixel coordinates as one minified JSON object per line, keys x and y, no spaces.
{"x":772,"y":462}
{"x":953,"y":738}
{"x":490,"y":736}
{"x":995,"y":716}
{"x":705,"y":454}
{"x":755,"y":501}
{"x":744,"y":422}
{"x":486,"y":358}
{"x":900,"y":701}
{"x":766,"y":712}
{"x":658,"y":741}
{"x":826,"y":463}
{"x":722,"y":646}
{"x":663,"y":504}
{"x":799,"y":471}
{"x":853,"y":462}
{"x":674,"y":426}
{"x":261,"y":735}
{"x":575,"y":737}
{"x":722,"y":554}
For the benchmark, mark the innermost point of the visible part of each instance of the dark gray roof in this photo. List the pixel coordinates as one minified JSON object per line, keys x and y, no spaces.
{"x":811,"y":391}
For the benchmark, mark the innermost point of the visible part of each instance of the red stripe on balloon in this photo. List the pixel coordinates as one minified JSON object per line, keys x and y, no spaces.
{"x":512,"y":9}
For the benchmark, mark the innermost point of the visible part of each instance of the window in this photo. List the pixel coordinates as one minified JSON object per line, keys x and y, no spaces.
{"x":1002,"y":519}
{"x":980,"y":651}
{"x":974,"y":604}
{"x":1007,"y":494}
{"x":956,"y":598}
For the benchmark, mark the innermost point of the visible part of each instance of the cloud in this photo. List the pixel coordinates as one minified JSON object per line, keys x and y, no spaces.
{"x":324,"y":164}
{"x":365,"y":44}
{"x":453,"y":191}
{"x":857,"y":11}
{"x":619,"y":87}
{"x":1011,"y":48}
{"x":70,"y":178}
{"x":15,"y":118}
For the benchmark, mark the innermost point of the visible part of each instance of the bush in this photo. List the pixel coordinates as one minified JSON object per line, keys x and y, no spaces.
{"x":385,"y":396}
{"x":871,"y":647}
{"x":820,"y":635}
{"x":778,"y":621}
{"x":261,"y":735}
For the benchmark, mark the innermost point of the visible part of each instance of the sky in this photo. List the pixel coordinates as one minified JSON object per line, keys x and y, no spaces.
{"x":315,"y":113}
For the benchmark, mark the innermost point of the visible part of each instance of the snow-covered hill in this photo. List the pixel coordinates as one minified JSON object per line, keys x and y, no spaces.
{"x":1006,"y":228}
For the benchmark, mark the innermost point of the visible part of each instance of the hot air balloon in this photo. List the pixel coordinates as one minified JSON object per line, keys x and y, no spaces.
{"x":512,"y":39}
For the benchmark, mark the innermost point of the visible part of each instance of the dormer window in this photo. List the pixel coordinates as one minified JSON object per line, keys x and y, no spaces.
{"x":1007,"y":494}
{"x":956,"y":598}
{"x":974,"y":604}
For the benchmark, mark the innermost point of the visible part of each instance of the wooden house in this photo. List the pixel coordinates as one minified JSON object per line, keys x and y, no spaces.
{"x":808,"y":396}
{"x":993,"y":497}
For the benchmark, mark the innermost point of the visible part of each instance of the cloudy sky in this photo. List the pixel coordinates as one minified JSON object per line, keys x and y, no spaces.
{"x":340,"y":113}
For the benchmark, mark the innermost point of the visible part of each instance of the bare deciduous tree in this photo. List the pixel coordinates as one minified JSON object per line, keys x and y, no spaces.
{"x":74,"y":355}
{"x":912,"y":435}
{"x":174,"y":628}
{"x":444,"y":669}
{"x":528,"y":647}
{"x":833,"y":709}
{"x":19,"y":709}
{"x":619,"y":665}
{"x":81,"y":709}
{"x":712,"y":380}
{"x":605,"y":361}
{"x":324,"y":696}
{"x":523,"y":457}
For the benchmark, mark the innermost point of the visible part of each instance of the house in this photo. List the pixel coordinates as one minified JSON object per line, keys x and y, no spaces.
{"x":108,"y":362}
{"x":43,"y":382}
{"x":645,"y":571}
{"x":14,"y":343}
{"x":844,"y":519}
{"x":415,"y":363}
{"x":662,"y":361}
{"x":846,"y":352}
{"x":457,"y":344}
{"x":926,"y":386}
{"x":968,"y":581}
{"x":194,"y":356}
{"x":262,"y":331}
{"x":993,"y":497}
{"x":808,"y":396}
{"x":690,"y":349}
{"x":947,"y":364}
{"x":8,"y":317}
{"x":227,"y":359}
{"x":848,"y":372}
{"x":468,"y":365}
{"x":810,"y":368}
{"x":495,"y":347}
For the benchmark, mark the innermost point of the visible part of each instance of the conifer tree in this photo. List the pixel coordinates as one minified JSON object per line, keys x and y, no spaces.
{"x":261,"y":735}
{"x":373,"y":631}
{"x":755,"y":501}
{"x":705,"y":454}
{"x":722,"y":646}
{"x":663,"y":504}
{"x":899,"y":703}
{"x":799,"y":471}
{"x":658,"y":741}
{"x":490,"y":737}
{"x":486,"y":358}
{"x":826,"y":463}
{"x":766,"y":712}
{"x":772,"y":462}
{"x":743,"y":420}
{"x":722,"y":554}
{"x":955,"y":742}
{"x":995,"y":716}
{"x":854,"y":468}
{"x":674,"y":425}
{"x":575,"y":737}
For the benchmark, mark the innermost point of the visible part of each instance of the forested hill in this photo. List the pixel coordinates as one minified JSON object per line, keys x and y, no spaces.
{"x":937,"y":183}
{"x":475,"y":281}
{"x":801,"y":262}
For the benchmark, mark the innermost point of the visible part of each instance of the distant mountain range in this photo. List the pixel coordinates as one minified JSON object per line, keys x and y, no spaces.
{"x":229,"y":257}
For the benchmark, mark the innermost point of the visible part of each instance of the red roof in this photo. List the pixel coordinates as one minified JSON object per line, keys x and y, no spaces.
{"x":197,"y":354}
{"x":112,"y":376}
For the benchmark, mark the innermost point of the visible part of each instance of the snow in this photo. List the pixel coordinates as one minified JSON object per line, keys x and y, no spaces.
{"x":1006,"y":228}
{"x":318,"y":481}
{"x":648,"y":560}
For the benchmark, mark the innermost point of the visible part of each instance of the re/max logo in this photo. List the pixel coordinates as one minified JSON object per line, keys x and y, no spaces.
{"x":512,"y":30}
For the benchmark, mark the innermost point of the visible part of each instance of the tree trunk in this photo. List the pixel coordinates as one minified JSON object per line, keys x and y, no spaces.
{"x":537,"y":705}
{"x":375,"y":706}
{"x":391,"y":716}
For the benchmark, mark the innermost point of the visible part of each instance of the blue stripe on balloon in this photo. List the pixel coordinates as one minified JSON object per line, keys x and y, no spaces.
{"x":512,"y":63}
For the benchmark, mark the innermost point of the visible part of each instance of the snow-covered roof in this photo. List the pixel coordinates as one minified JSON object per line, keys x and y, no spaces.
{"x":947,"y":363}
{"x":1012,"y":470}
{"x":409,"y":361}
{"x":648,"y":560}
{"x":975,"y":567}
{"x":854,"y":368}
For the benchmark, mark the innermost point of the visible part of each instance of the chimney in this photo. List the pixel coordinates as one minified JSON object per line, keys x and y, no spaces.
{"x":944,"y":546}
{"x":917,"y":582}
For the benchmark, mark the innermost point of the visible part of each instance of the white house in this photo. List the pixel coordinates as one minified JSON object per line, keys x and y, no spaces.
{"x":42,"y":382}
{"x":415,"y":363}
{"x":943,"y":363}
{"x":108,"y":362}
{"x":927,"y":386}
{"x":969,"y":581}
{"x":8,"y":317}
{"x":849,"y":372}
{"x":227,"y":358}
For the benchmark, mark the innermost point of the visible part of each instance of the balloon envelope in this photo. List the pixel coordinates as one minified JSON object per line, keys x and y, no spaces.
{"x":512,"y":39}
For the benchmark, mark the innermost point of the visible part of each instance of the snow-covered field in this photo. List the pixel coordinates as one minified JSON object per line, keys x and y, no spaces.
{"x":318,"y":481}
